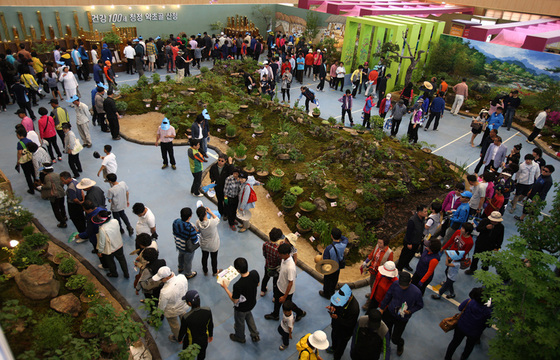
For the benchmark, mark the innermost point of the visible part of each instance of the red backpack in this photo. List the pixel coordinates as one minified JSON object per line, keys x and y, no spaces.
{"x":252,"y":195}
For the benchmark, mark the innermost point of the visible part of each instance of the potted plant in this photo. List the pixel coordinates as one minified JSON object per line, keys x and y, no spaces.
{"x":316,"y":112}
{"x":307,"y":206}
{"x":278,"y":173}
{"x":76,"y":282}
{"x":67,"y":267}
{"x":304,"y":224}
{"x":296,"y":190}
{"x":360,"y":129}
{"x":240,"y":152}
{"x":190,"y":353}
{"x":288,"y":201}
{"x":89,"y":292}
{"x":256,"y":120}
{"x":332,"y":192}
{"x":60,"y":256}
{"x":111,"y":38}
{"x":221,"y":122}
{"x":262,"y":150}
{"x":321,"y":229}
{"x":231,"y":131}
{"x":121,"y":107}
{"x":243,"y":107}
{"x":249,"y":168}
{"x":274,"y":184}
{"x":259,"y":130}
{"x":37,"y":241}
{"x":331,"y":121}
{"x":262,"y":167}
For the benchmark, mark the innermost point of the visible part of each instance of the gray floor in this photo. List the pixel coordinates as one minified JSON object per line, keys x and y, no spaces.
{"x":167,"y":191}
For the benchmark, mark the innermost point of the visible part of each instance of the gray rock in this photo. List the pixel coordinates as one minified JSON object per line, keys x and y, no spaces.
{"x":283,"y":157}
{"x":67,"y":304}
{"x":352,"y":206}
{"x":299,"y":177}
{"x":37,"y":282}
{"x":321,"y":204}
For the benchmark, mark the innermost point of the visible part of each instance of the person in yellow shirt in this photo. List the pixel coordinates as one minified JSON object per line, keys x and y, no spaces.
{"x":38,"y":67}
{"x":31,"y":84}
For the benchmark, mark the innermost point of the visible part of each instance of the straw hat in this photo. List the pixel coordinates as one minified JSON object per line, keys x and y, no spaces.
{"x":428,"y":85}
{"x":326,"y":267}
{"x":495,"y":216}
{"x":85,"y":183}
{"x":388,"y":269}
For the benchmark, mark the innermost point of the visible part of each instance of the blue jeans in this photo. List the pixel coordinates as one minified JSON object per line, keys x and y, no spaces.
{"x":239,"y":325}
{"x":185,"y":261}
{"x":508,"y":117}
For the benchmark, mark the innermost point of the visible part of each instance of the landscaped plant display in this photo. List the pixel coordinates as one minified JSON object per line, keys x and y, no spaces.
{"x":304,"y":223}
{"x":76,"y":282}
{"x":67,"y":266}
{"x":307,"y":153}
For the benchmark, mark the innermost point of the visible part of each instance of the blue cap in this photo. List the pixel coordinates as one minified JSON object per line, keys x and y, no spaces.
{"x":60,"y":62}
{"x":165,"y":124}
{"x":159,"y":37}
{"x":73,"y":98}
{"x":455,"y":255}
{"x":341,"y":297}
{"x":205,"y":114}
{"x":140,"y":37}
{"x":105,"y":45}
{"x":199,"y":34}
{"x":247,"y":33}
{"x":466,"y":194}
{"x":133,"y":40}
{"x":101,"y":85}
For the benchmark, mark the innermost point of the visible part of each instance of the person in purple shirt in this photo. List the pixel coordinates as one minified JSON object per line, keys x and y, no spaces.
{"x":473,"y":321}
{"x":401,"y":301}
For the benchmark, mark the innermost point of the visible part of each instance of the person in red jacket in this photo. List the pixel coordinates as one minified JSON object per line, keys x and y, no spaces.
{"x":379,"y":256}
{"x":386,"y":276}
{"x":461,"y":239}
{"x":309,"y":63}
{"x":427,"y":265}
{"x":385,"y":106}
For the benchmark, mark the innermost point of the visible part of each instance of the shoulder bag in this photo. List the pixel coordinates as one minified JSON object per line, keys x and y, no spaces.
{"x":26,"y":155}
{"x":450,"y":323}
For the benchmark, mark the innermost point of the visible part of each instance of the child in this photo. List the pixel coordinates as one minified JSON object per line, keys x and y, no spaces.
{"x":453,"y":263}
{"x":286,"y":325}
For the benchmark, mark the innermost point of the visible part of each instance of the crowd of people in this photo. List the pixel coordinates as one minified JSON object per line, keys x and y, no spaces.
{"x":442,"y":232}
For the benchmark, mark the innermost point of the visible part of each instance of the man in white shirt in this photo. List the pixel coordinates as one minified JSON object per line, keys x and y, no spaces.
{"x":109,"y":163}
{"x":171,"y":298}
{"x":110,"y":244}
{"x":118,"y":197}
{"x":286,"y":285}
{"x":146,"y":220}
{"x":129,"y":54}
{"x":82,"y":120}
{"x":478,"y":191}
{"x":528,"y":173}
{"x":539,"y":124}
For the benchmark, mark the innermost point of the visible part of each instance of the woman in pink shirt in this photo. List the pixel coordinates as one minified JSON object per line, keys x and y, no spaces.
{"x":48,"y":132}
{"x":332,"y":73}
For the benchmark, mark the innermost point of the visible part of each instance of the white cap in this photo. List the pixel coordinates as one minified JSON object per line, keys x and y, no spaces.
{"x":162,"y":273}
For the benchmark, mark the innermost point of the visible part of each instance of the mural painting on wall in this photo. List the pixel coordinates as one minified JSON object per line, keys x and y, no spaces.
{"x":288,"y":24}
{"x":335,"y":29}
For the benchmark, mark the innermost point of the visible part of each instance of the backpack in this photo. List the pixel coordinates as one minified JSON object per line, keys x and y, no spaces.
{"x":341,"y":263}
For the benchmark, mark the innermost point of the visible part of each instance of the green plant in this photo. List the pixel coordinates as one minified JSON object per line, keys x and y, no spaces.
{"x":249,"y":166}
{"x":15,"y":317}
{"x":204,"y":70}
{"x":296,"y":190}
{"x":36,"y":240}
{"x":12,"y":213}
{"x":241,"y":151}
{"x":316,"y":111}
{"x":218,"y":25}
{"x":262,"y":166}
{"x":76,"y":282}
{"x":28,"y":230}
{"x":231,"y":130}
{"x":359,"y":127}
{"x":289,"y":200}
{"x":168,"y":78}
{"x":230,"y":153}
{"x":112,"y":38}
{"x":42,"y":47}
{"x":61,"y":255}
{"x":274,"y":184}
{"x":312,"y":25}
{"x":323,"y":230}
{"x":77,"y":348}
{"x":256,"y":119}
{"x":263,"y":149}
{"x":190,"y":353}
{"x":221,"y":121}
{"x":155,"y":314}
{"x":305,"y":223}
{"x":23,"y":255}
{"x":89,"y":289}
{"x":307,"y":206}
{"x":331,"y":120}
{"x":259,"y":128}
{"x":50,"y":331}
{"x":67,"y":265}
{"x":278,"y":172}
{"x":332,"y":190}
{"x":156,"y":78}
{"x":126,"y":89}
{"x":121,"y":106}
{"x":378,"y":122}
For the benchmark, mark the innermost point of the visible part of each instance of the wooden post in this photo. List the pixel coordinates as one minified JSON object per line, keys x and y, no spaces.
{"x":90,"y":21}
{"x":51,"y":33}
{"x":58,"y":24}
{"x":76,"y":22}
{"x":22,"y":24}
{"x":41,"y":26}
{"x":33,"y":33}
{"x":4,"y":26}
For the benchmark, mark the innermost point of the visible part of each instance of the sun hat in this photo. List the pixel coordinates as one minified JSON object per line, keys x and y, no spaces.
{"x":404,"y":278}
{"x":205,"y":114}
{"x":165,"y":124}
{"x":101,"y":217}
{"x":319,"y":340}
{"x":388,"y":96}
{"x":104,"y":86}
{"x":496,"y":216}
{"x":135,"y":40}
{"x":388,"y":269}
{"x":290,"y":43}
{"x":107,"y":62}
{"x":292,"y":239}
{"x":73,"y":98}
{"x":341,"y":297}
{"x":85,"y":183}
{"x":455,"y":255}
{"x":428,"y":85}
{"x":265,"y":62}
{"x":162,"y":273}
{"x":191,"y":296}
{"x":326,"y":267}
{"x":507,"y":172}
{"x":466,"y":194}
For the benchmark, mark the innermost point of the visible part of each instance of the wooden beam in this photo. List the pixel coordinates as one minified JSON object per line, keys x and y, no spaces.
{"x":41,"y":26}
{"x":4,"y":26}
{"x":22,"y":24}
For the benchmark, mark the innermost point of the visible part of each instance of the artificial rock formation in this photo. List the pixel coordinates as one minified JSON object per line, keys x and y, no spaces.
{"x":67,"y":304}
{"x":37,"y":282}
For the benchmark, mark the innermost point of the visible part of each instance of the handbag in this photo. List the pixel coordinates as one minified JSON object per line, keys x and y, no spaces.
{"x":465,"y":263}
{"x":476,"y":125}
{"x":46,"y":88}
{"x":77,"y":147}
{"x":26,"y":155}
{"x":191,"y":246}
{"x":450,"y":323}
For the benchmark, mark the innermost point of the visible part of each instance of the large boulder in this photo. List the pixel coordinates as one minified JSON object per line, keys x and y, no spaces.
{"x":321,"y":204}
{"x":37,"y":282}
{"x":8,"y":269}
{"x":67,"y":304}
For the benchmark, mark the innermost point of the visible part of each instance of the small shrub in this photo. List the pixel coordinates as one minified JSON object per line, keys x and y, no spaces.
{"x":221,"y":121}
{"x":241,"y":150}
{"x":156,"y":78}
{"x":28,"y":230}
{"x":259,"y":128}
{"x":231,"y":130}
{"x":50,"y":331}
{"x":190,"y":353}
{"x":307,"y":206}
{"x":76,"y":282}
{"x":262,"y":149}
{"x":274,"y":184}
{"x":331,"y":120}
{"x":230,"y":152}
{"x":378,"y":122}
{"x":305,"y":223}
{"x":323,"y":230}
{"x":142,"y":84}
{"x":67,"y":265}
{"x":332,"y":189}
{"x":278,"y":172}
{"x":36,"y":240}
{"x":204,"y":70}
{"x":13,"y":314}
{"x":23,"y":255}
{"x":89,"y":289}
{"x":121,"y":105}
{"x":316,"y":111}
{"x":296,"y":190}
{"x":289,"y":200}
